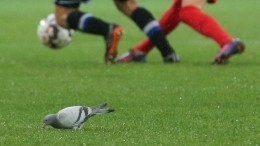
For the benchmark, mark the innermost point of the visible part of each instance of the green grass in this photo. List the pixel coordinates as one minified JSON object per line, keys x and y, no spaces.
{"x":191,"y":103}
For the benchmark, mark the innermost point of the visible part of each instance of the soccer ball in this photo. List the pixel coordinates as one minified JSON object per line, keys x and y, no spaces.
{"x":53,"y":35}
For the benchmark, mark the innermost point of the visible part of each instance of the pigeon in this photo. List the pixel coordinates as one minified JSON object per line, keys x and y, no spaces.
{"x":73,"y":117}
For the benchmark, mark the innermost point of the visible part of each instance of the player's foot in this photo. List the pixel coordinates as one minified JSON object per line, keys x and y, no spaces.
{"x":229,"y":50}
{"x":172,"y":58}
{"x":132,"y":56}
{"x":112,"y":42}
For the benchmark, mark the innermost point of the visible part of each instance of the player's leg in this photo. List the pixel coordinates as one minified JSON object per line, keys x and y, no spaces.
{"x":62,"y":12}
{"x":68,"y":15}
{"x":192,"y":15}
{"x":146,"y":22}
{"x":168,"y":22}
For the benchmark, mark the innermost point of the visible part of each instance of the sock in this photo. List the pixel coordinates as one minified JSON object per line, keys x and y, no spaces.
{"x":145,"y":21}
{"x":204,"y":24}
{"x":87,"y":23}
{"x":168,"y":22}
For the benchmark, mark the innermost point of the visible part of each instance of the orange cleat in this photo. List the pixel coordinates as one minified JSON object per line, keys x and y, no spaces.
{"x":112,"y":42}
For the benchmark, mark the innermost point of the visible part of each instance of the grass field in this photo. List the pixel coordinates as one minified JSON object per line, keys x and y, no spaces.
{"x":190,"y":103}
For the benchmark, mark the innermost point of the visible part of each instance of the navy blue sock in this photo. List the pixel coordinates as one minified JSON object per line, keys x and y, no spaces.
{"x":86,"y":22}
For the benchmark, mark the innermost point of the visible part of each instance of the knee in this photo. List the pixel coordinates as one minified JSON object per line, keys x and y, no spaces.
{"x":61,"y":20}
{"x":126,"y":6}
{"x":196,"y":3}
{"x":61,"y":14}
{"x":186,"y":12}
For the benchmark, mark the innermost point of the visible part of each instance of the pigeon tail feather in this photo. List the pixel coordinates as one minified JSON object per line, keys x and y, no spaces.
{"x":101,"y":109}
{"x":104,"y":111}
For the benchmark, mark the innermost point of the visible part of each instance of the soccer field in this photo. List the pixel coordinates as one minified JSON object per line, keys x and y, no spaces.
{"x":190,"y":103}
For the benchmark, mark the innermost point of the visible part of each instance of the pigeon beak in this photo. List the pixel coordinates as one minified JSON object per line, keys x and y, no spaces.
{"x":44,"y":125}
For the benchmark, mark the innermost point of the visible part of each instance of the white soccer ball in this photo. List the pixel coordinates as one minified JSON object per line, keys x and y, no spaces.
{"x":53,"y":35}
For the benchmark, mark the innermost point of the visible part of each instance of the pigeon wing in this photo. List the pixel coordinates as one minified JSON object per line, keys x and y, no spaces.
{"x":71,"y":116}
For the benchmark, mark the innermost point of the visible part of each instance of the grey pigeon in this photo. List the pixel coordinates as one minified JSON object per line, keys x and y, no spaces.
{"x":73,"y":117}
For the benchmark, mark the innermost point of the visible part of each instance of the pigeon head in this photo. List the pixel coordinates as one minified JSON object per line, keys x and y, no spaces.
{"x":49,"y":119}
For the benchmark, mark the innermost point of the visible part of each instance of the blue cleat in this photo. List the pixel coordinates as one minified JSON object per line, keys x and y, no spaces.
{"x":132,"y":56}
{"x":230,"y":49}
